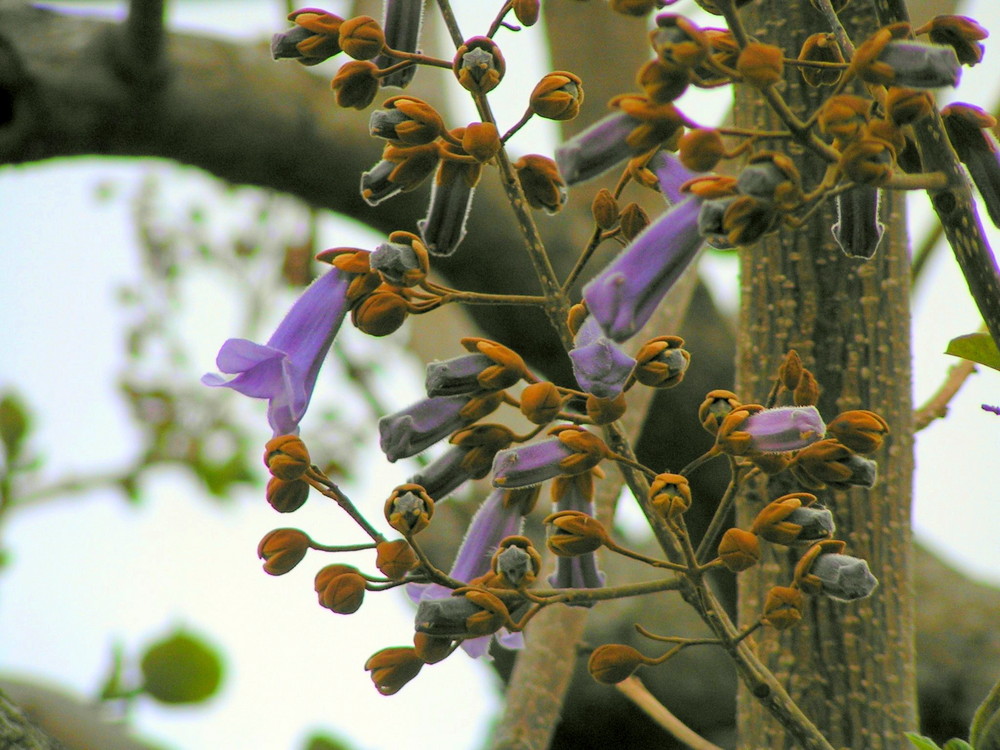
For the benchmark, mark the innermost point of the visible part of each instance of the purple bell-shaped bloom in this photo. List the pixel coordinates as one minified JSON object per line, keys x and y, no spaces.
{"x":786,"y":428}
{"x":496,"y":519}
{"x":626,"y":293}
{"x":858,"y":231}
{"x":402,"y":22}
{"x":597,"y":149}
{"x":531,"y":464}
{"x":420,"y":425}
{"x":600,"y":367}
{"x":284,"y":370}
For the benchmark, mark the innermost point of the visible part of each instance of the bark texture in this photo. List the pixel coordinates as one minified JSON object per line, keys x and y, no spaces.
{"x":849,"y":666}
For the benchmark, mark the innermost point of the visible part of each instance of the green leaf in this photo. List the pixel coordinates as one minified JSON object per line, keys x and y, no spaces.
{"x":920,"y":742}
{"x":957,"y":744}
{"x":323,"y":741}
{"x":976,"y":347}
{"x":984,"y":732}
{"x":181,"y":668}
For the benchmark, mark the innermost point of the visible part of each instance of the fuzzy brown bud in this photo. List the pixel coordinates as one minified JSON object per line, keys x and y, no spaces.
{"x":409,"y":509}
{"x":822,"y":48}
{"x":361,"y":37}
{"x":287,"y":496}
{"x":670,"y":494}
{"x":395,"y":559}
{"x":283,"y":549}
{"x":633,"y":220}
{"x":478,"y":65}
{"x":380,"y":313}
{"x":541,"y":402}
{"x":701,"y":149}
{"x":761,"y":65}
{"x":391,"y":668}
{"x":355,"y":84}
{"x":783,"y":607}
{"x":558,"y":96}
{"x":860,"y":430}
{"x":340,"y":588}
{"x":541,"y":182}
{"x":613,"y":662}
{"x":605,"y":410}
{"x":739,"y":549}
{"x":286,"y":457}
{"x":605,"y":209}
{"x":574,"y":533}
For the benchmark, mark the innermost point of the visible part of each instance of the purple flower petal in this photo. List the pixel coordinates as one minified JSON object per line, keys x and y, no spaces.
{"x":786,"y":428}
{"x":597,"y":149}
{"x":419,"y":426}
{"x":529,"y":464}
{"x":600,"y":367}
{"x":624,"y":295}
{"x":284,"y":371}
{"x":671,"y":175}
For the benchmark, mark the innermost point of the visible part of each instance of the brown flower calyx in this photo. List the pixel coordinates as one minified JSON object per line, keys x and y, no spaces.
{"x":395,"y":559}
{"x":739,"y":549}
{"x":589,"y":450}
{"x":670,"y":495}
{"x":340,"y":588}
{"x":613,"y":662}
{"x":478,"y":65}
{"x":859,"y":429}
{"x":541,"y":402}
{"x":558,"y":96}
{"x":409,"y":509}
{"x":508,"y":369}
{"x":286,"y":496}
{"x":783,"y":607}
{"x":283,"y":549}
{"x":392,"y":668}
{"x":286,"y":457}
{"x":574,"y":533}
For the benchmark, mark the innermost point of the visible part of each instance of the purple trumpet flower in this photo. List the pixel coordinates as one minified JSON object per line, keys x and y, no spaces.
{"x":580,"y":571}
{"x":531,"y":464}
{"x":402,"y":22}
{"x":496,"y":519}
{"x":786,"y":428}
{"x":671,"y":174}
{"x":444,"y":475}
{"x":420,"y":425}
{"x":600,"y":367}
{"x":451,"y":200}
{"x":284,"y":370}
{"x":858,"y":231}
{"x":597,"y":149}
{"x":460,"y":375}
{"x":626,"y":293}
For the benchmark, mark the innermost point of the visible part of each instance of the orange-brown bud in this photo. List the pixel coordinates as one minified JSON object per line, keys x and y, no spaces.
{"x":633,"y":7}
{"x":843,"y":116}
{"x":661,"y":362}
{"x":783,"y":607}
{"x":860,"y":430}
{"x":658,"y":122}
{"x":391,"y":668}
{"x":670,"y":494}
{"x":286,"y":457}
{"x":526,"y":11}
{"x":676,"y":40}
{"x":516,"y":562}
{"x":478,"y":65}
{"x":409,"y":509}
{"x":481,"y":140}
{"x":481,"y":443}
{"x":613,"y":662}
{"x":605,"y":410}
{"x":361,"y":37}
{"x":577,"y":314}
{"x":905,"y":106}
{"x":287,"y":496}
{"x":710,"y":187}
{"x":715,"y":408}
{"x":822,"y":48}
{"x":557,"y":96}
{"x":431,"y":649}
{"x":790,"y":371}
{"x":748,"y":219}
{"x":701,"y":149}
{"x":868,"y":161}
{"x":574,"y":533}
{"x":633,"y":220}
{"x":771,"y":463}
{"x":395,"y":559}
{"x":541,"y":182}
{"x":605,"y":209}
{"x":739,"y":549}
{"x":422,"y":123}
{"x":866,"y":64}
{"x":341,"y":589}
{"x":380,"y":313}
{"x":806,"y":393}
{"x":663,"y":82}
{"x":541,"y":402}
{"x":283,"y":549}
{"x":777,"y":523}
{"x":589,"y":450}
{"x":761,"y":65}
{"x":355,"y":84}
{"x":509,"y":367}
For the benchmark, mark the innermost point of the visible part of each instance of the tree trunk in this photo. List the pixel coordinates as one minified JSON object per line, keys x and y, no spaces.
{"x":850,"y":666}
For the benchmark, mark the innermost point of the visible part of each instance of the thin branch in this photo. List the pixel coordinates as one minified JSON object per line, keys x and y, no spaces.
{"x":936,"y":406}
{"x":633,"y":689}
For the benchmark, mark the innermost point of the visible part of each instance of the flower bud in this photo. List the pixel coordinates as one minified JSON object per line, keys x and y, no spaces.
{"x":401,"y":169}
{"x":286,"y":457}
{"x":431,"y":649}
{"x":715,"y":408}
{"x":661,"y":362}
{"x":761,"y":65}
{"x":391,"y":668}
{"x":905,"y":106}
{"x":478,"y":65}
{"x":739,"y":549}
{"x":676,"y":40}
{"x":771,"y":176}
{"x":409,"y":509}
{"x":783,"y":607}
{"x":701,"y":149}
{"x":605,"y":410}
{"x":361,"y":37}
{"x":843,"y":116}
{"x":806,"y":393}
{"x":314,"y":38}
{"x":633,"y":220}
{"x":823,"y":48}
{"x":860,"y":430}
{"x":790,"y":371}
{"x":341,"y":589}
{"x":516,"y":561}
{"x":574,"y":533}
{"x":287,"y":496}
{"x":282,"y":549}
{"x":402,"y":261}
{"x":355,"y":84}
{"x":406,"y":119}
{"x":526,"y":11}
{"x":541,"y":402}
{"x":961,"y":33}
{"x":380,"y":313}
{"x":824,"y":569}
{"x":613,"y":662}
{"x":828,"y":462}
{"x":605,"y":210}
{"x":557,"y":96}
{"x":662,"y":81}
{"x":670,"y":494}
{"x":793,"y":519}
{"x":395,"y":559}
{"x":541,"y":182}
{"x":633,"y":7}
{"x":868,"y":161}
{"x":657,"y":123}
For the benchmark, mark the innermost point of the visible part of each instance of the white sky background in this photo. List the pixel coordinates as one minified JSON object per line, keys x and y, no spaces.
{"x":90,"y":570}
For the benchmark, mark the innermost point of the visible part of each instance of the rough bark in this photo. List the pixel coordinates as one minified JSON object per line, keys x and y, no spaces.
{"x":849,"y":666}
